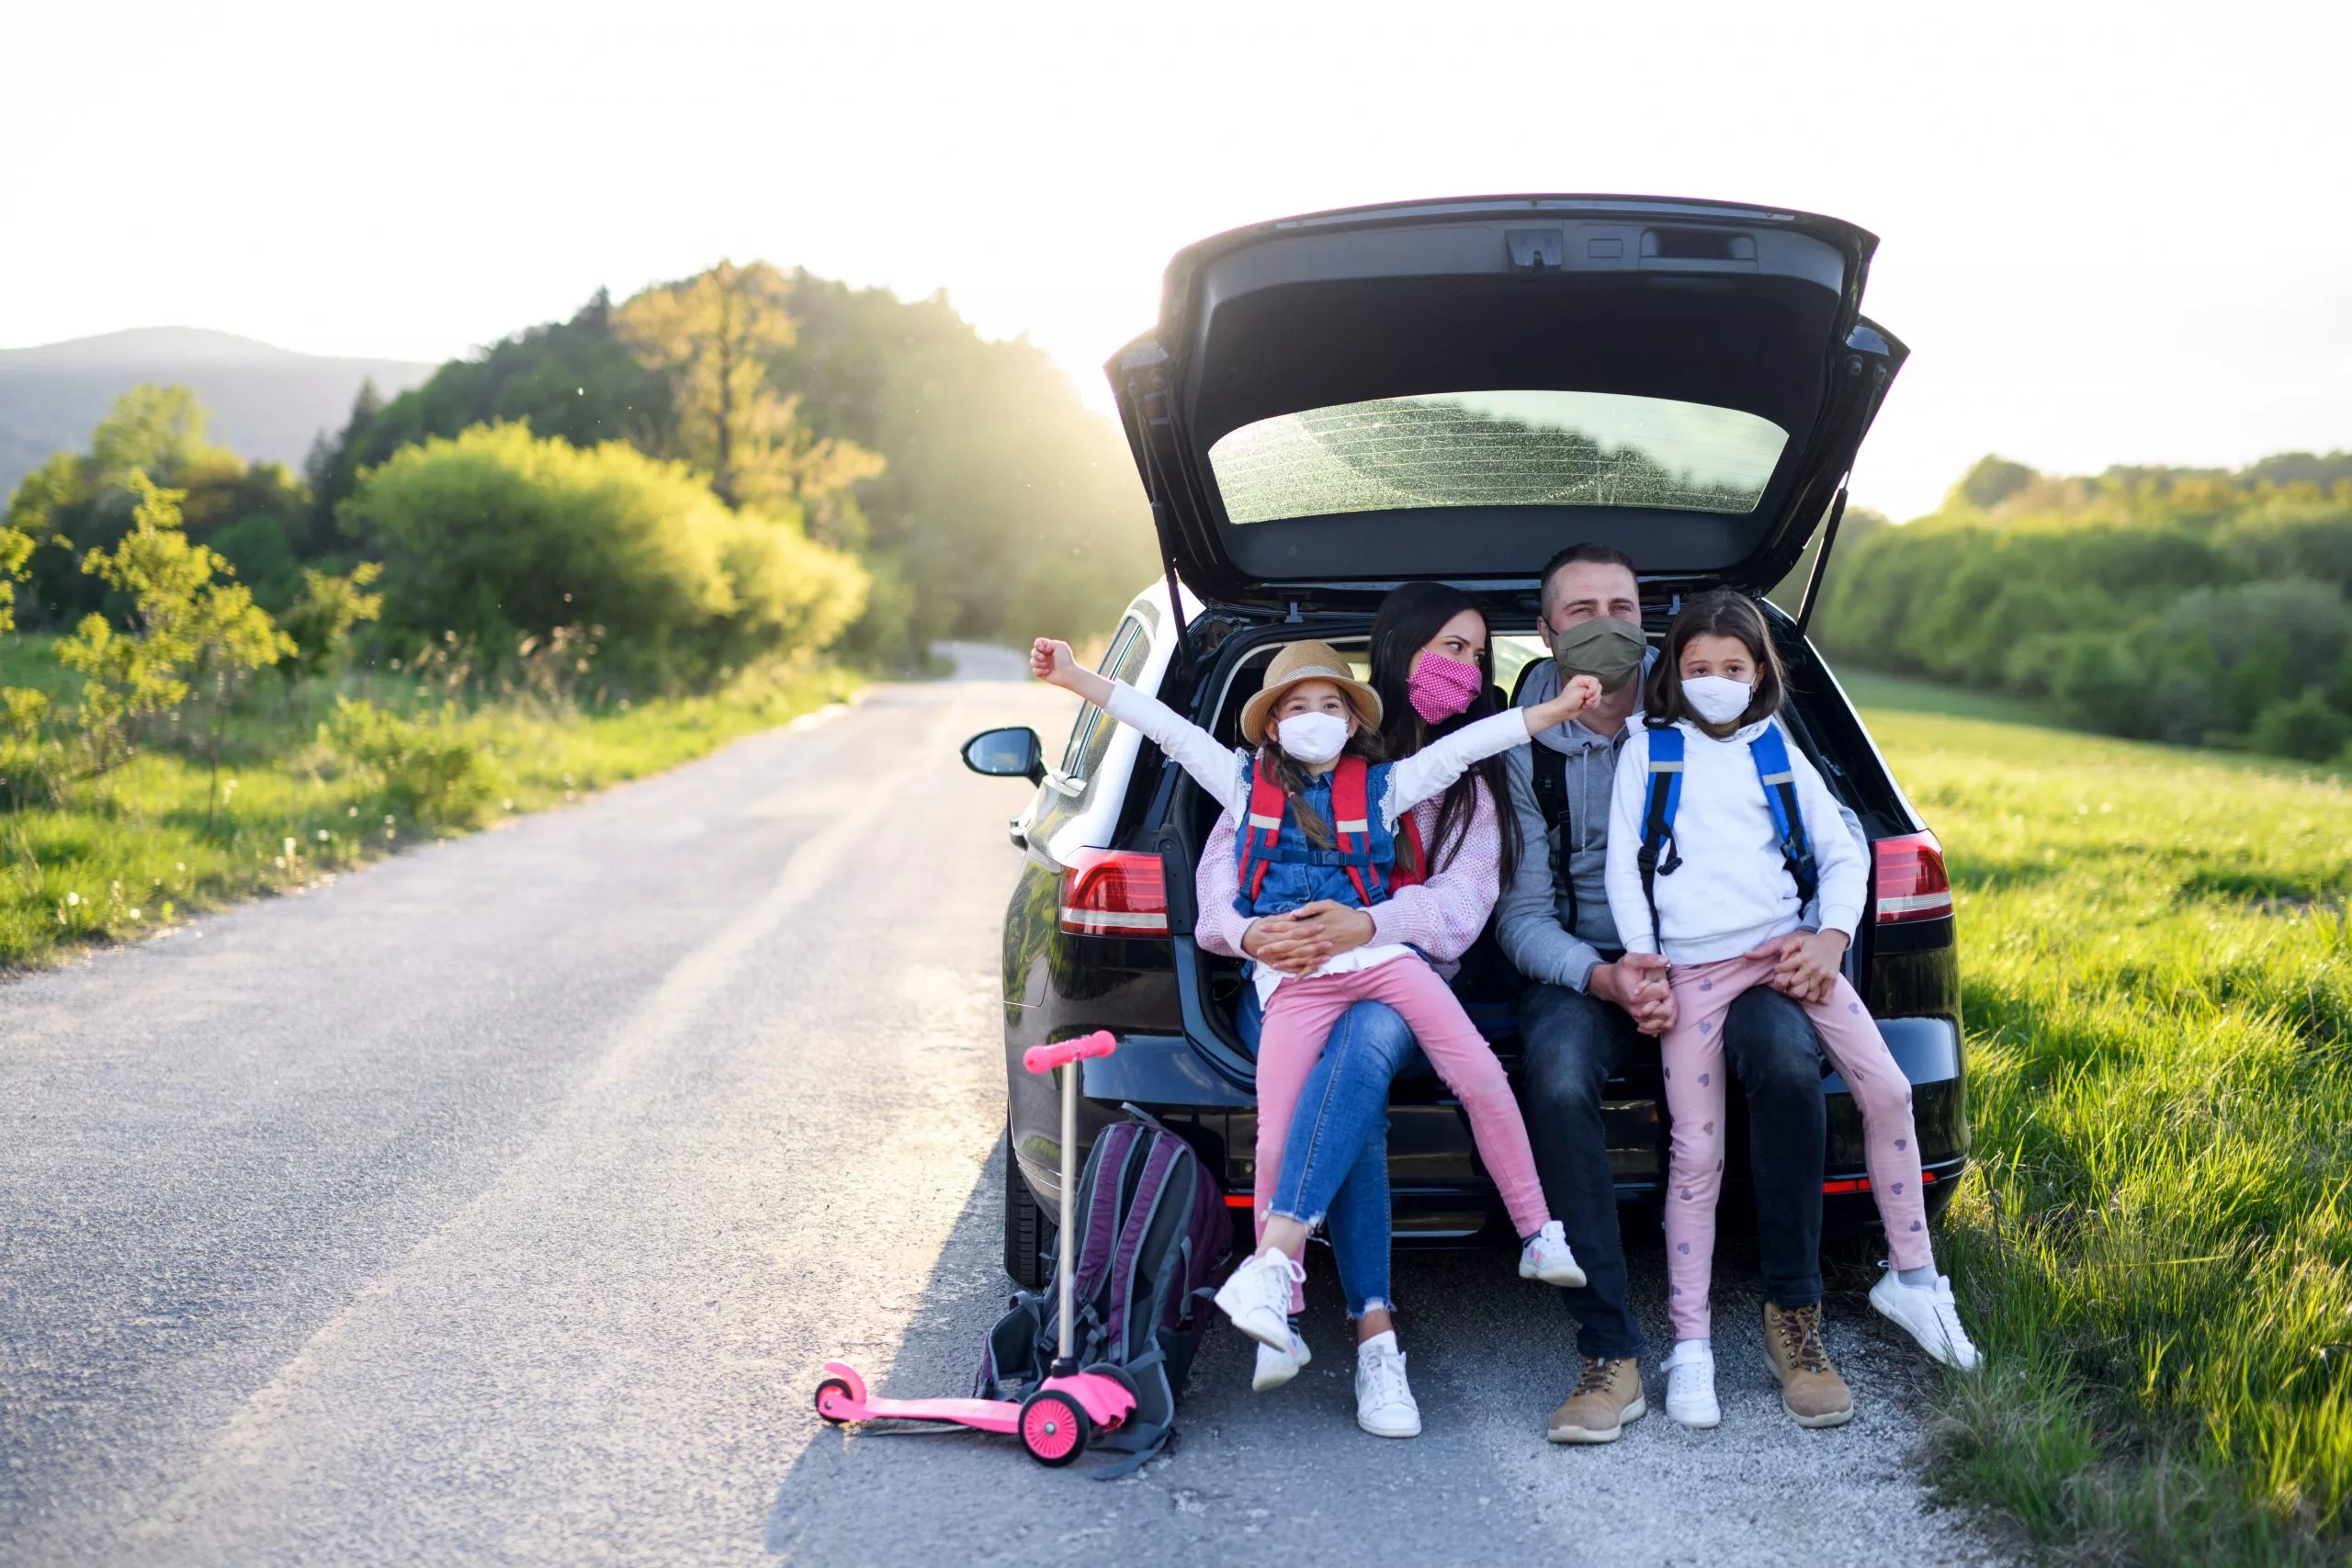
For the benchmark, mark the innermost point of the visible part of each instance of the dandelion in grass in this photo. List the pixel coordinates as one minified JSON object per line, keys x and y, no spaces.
{"x":71,"y":899}
{"x":324,"y":835}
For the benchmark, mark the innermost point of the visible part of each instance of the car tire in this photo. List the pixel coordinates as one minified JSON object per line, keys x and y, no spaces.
{"x":1028,"y":1232}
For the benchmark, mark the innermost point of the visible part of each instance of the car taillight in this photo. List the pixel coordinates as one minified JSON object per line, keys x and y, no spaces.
{"x":1115,"y":893}
{"x":1911,"y":881}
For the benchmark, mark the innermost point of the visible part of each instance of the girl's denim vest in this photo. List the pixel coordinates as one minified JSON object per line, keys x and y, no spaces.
{"x":1298,"y":873}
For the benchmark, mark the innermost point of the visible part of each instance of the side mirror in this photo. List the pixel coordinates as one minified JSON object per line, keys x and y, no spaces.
{"x":1013,"y":753}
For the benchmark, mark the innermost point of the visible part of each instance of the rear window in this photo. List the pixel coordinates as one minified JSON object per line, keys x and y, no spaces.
{"x":1509,"y":448}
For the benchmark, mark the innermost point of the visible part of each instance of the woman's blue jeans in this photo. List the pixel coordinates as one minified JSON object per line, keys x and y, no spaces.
{"x":1335,"y":1162}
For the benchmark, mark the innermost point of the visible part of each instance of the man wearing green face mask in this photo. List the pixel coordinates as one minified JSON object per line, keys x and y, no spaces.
{"x":1594,"y":1009}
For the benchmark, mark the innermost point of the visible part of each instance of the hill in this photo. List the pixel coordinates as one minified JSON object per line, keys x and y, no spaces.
{"x":267,"y":402}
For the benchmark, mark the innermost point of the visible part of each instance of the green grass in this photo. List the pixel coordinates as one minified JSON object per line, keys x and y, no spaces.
{"x":1900,"y":693}
{"x":2155,"y":1246}
{"x":128,"y":853}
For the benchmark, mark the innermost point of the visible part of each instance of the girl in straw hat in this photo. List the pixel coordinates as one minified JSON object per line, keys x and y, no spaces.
{"x":1315,"y":815}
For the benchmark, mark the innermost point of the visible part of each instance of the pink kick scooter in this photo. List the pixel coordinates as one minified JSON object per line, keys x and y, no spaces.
{"x":1064,"y":1411}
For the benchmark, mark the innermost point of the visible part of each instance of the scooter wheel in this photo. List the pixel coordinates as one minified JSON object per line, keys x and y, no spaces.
{"x":1053,"y":1428}
{"x":838,"y":1390}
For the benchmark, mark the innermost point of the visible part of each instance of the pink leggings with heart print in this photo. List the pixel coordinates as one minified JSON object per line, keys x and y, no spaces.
{"x":1692,"y":1052}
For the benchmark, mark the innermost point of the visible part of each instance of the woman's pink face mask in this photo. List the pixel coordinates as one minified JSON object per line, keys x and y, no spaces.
{"x":1442,"y":687}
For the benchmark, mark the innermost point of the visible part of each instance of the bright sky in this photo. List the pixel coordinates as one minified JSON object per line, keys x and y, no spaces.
{"x":2111,"y":233}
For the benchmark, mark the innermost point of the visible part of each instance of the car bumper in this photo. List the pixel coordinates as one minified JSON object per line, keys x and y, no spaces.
{"x":1440,"y":1190}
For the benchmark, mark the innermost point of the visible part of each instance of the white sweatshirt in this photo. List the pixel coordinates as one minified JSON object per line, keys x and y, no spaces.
{"x":1732,"y":890}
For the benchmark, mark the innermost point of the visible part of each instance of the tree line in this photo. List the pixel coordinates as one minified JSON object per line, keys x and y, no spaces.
{"x":2195,"y":606}
{"x":979,"y":496}
{"x":744,"y":461}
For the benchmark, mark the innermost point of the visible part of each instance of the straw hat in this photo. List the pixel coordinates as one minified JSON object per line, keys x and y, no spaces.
{"x":1307,"y":661}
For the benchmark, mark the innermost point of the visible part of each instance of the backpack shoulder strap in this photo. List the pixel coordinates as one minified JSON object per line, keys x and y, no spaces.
{"x":1261,"y":830}
{"x":1097,"y":1208}
{"x":1770,"y":752}
{"x":1165,"y":1150}
{"x":1658,"y":817}
{"x":1550,"y":769}
{"x":1352,"y":822}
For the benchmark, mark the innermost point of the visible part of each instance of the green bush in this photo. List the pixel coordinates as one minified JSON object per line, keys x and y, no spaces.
{"x":496,"y":536}
{"x":2100,"y":683}
{"x":2304,"y":726}
{"x":437,"y":770}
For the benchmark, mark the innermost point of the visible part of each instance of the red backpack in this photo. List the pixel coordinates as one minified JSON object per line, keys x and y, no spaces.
{"x":1262,"y":834}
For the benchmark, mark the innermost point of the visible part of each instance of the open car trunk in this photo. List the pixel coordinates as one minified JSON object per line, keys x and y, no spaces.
{"x":1330,"y":405}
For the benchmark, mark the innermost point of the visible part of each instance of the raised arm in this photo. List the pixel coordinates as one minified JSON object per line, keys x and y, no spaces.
{"x":1428,"y":772}
{"x":1213,"y":766}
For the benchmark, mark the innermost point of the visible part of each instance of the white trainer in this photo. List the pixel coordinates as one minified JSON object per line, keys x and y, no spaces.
{"x":1256,"y":1296}
{"x":1929,"y":1314}
{"x":1276,"y":1367}
{"x":1384,"y":1405}
{"x":1691,"y":1385}
{"x":1546,"y":1258}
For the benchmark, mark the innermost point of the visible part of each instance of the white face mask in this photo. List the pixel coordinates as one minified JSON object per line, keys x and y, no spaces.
{"x":1716,"y":698}
{"x":1313,"y":739}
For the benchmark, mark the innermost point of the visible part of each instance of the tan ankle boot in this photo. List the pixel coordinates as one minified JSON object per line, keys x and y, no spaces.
{"x":1607,"y":1395}
{"x":1811,"y":1390}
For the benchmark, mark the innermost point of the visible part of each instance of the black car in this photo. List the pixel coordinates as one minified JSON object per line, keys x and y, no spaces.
{"x":1334,"y":404}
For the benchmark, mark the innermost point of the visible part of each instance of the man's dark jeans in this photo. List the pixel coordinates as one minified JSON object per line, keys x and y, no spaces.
{"x":1574,"y":1042}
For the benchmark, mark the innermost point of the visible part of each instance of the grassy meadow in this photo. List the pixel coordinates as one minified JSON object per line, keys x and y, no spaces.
{"x":126,"y":853}
{"x":2154,"y":1247}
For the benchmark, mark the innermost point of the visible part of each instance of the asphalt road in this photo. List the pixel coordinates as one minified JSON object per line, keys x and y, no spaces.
{"x":497,"y":1204}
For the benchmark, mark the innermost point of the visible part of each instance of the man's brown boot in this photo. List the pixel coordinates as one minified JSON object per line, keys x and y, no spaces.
{"x":1811,"y":1390}
{"x":1607,"y":1395}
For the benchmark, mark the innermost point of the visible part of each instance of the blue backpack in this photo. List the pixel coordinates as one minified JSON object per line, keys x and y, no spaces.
{"x":1770,"y":754}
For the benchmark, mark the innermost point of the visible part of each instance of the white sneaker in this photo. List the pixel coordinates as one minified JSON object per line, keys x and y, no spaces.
{"x":1256,"y":1296}
{"x":1546,"y":1258}
{"x":1276,"y":1367}
{"x":1929,"y":1314}
{"x":1691,"y":1385}
{"x":1384,"y":1405}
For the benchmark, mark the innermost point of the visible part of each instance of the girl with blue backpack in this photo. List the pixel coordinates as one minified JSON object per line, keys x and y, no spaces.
{"x":1315,"y":815}
{"x":1711,"y":864}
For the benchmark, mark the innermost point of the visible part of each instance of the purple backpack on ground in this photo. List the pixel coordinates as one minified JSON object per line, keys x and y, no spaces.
{"x":1151,"y":1231}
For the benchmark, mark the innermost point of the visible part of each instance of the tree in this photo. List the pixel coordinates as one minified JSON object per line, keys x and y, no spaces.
{"x":190,"y":626}
{"x":714,"y":337}
{"x":323,"y":614}
{"x":1992,"y":481}
{"x":75,"y":502}
{"x":150,"y":430}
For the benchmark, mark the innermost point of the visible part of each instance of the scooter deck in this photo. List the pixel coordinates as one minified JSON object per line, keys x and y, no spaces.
{"x":988,"y":1415}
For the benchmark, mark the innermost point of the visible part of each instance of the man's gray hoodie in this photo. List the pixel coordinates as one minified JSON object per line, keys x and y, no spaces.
{"x":1533,"y":920}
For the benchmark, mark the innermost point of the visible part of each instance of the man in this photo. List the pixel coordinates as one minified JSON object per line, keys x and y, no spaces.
{"x":1592,"y":1008}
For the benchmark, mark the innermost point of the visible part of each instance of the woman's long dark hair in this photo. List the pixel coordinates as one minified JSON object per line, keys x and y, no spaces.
{"x":1409,"y":618}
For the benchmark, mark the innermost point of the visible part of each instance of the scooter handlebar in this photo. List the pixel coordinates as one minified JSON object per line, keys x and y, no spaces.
{"x":1061,"y":1053}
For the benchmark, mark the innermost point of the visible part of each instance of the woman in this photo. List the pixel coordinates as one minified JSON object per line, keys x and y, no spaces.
{"x":1432,"y":667}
